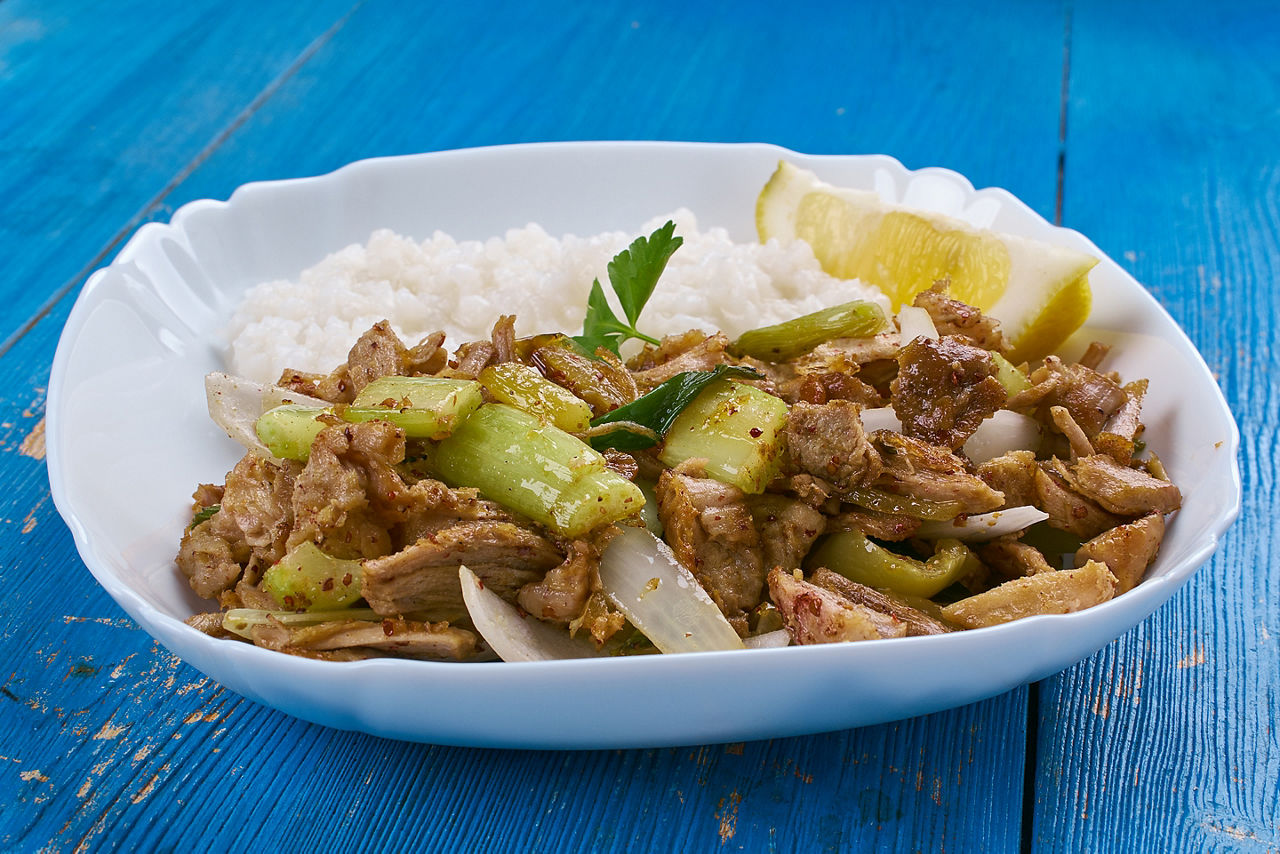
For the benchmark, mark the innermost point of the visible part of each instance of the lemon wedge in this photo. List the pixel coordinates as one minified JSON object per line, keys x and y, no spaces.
{"x":1039,"y":292}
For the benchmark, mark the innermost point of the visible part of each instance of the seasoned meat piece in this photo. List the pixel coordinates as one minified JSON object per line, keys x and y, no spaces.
{"x":621,"y":462}
{"x":428,"y":356}
{"x":604,"y":383}
{"x":399,"y":637}
{"x":813,"y":614}
{"x":954,"y":318}
{"x":504,"y":340}
{"x":561,"y":595}
{"x":472,"y":358}
{"x":1061,"y":592}
{"x":859,"y":351}
{"x":209,"y":561}
{"x":787,"y":529}
{"x":703,"y":356}
{"x":1068,"y":510}
{"x":348,"y":496}
{"x":1094,"y":354}
{"x":917,"y":622}
{"x":1013,"y":559}
{"x":1118,"y":435}
{"x":206,"y":495}
{"x":710,"y":529}
{"x":921,"y":470}
{"x":430,"y":506}
{"x":1127,"y":549}
{"x":670,"y":347}
{"x":1014,"y":474}
{"x":944,"y":390}
{"x":1122,"y":490}
{"x":1089,"y":396}
{"x":827,"y":373}
{"x":828,"y":441}
{"x":813,"y":491}
{"x":424,"y":576}
{"x":378,"y":353}
{"x":257,"y":499}
{"x":211,"y":624}
{"x":333,"y":387}
{"x":1067,"y":426}
{"x":883,"y":526}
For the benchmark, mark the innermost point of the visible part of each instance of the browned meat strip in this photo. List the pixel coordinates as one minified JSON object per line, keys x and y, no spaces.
{"x":787,"y":529}
{"x":702,"y":356}
{"x":1014,"y":559}
{"x":333,"y":387}
{"x":917,"y":622}
{"x":604,"y":383}
{"x":859,"y":351}
{"x":1068,"y":510}
{"x":921,"y":470}
{"x":398,"y":637}
{"x":1089,"y":396}
{"x":1123,"y":490}
{"x":257,"y":498}
{"x":709,"y":527}
{"x":1127,"y":549}
{"x":378,"y":353}
{"x":430,"y":506}
{"x":1067,"y":426}
{"x":813,"y":614}
{"x":828,"y":441}
{"x":944,"y":390}
{"x":883,"y":526}
{"x":210,"y":562}
{"x":823,"y":374}
{"x":561,"y":595}
{"x":1014,"y":474}
{"x":423,"y":578}
{"x":504,"y":340}
{"x":1060,"y":592}
{"x":952,"y":317}
{"x":1118,"y":435}
{"x":472,"y":358}
{"x":428,"y":356}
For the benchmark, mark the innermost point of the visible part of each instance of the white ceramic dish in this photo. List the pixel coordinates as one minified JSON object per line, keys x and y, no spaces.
{"x":128,"y":439}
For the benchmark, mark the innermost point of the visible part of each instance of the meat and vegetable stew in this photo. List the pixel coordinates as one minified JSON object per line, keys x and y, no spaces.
{"x":843,"y":476}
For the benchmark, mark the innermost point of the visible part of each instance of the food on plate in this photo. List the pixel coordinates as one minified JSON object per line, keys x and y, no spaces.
{"x":838,"y":472}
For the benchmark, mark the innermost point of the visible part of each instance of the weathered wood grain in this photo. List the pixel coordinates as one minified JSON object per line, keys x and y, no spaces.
{"x":117,"y":744}
{"x":1167,"y":741}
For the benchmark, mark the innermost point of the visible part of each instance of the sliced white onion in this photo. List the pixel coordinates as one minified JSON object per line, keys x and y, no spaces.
{"x":512,"y":636}
{"x":661,"y":598}
{"x":986,"y":526}
{"x":1003,"y":432}
{"x":915,"y":323}
{"x":768,"y":640}
{"x":235,"y":403}
{"x":881,"y":418}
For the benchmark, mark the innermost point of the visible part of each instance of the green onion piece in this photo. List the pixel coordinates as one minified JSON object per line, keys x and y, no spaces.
{"x":289,"y":430}
{"x":242,"y":621}
{"x":904,"y":505}
{"x":307,"y":579}
{"x":524,"y":388}
{"x":736,"y":428}
{"x":536,"y":469}
{"x":423,"y":407}
{"x":204,"y":515}
{"x":855,"y":557}
{"x":1010,"y":377}
{"x":792,"y":338}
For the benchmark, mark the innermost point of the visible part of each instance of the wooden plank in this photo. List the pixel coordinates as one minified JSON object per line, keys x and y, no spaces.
{"x":105,"y":103}
{"x":1166,"y":741}
{"x":142,"y":752}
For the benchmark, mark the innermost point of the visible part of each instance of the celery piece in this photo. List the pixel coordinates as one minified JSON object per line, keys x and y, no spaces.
{"x":791,"y":338}
{"x":1010,"y":377}
{"x":904,"y":505}
{"x":423,"y":407}
{"x":307,"y":579}
{"x":536,"y":469}
{"x":736,"y":428}
{"x":242,"y":621}
{"x":855,"y":557}
{"x":524,"y":388}
{"x":289,"y":430}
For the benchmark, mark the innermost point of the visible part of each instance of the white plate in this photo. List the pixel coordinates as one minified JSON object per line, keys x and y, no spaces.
{"x":128,"y":439}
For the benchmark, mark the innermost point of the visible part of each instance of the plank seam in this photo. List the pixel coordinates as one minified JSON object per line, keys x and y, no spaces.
{"x":182,"y":175}
{"x":1064,"y":99}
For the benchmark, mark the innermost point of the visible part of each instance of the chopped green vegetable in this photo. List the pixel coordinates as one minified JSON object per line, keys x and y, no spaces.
{"x":536,"y":469}
{"x":855,"y":557}
{"x":633,"y":274}
{"x":524,"y":388}
{"x":203,"y":515}
{"x":657,"y":410}
{"x":423,"y":407}
{"x":289,"y":430}
{"x":904,"y":505}
{"x":307,"y":579}
{"x":242,"y":621}
{"x":736,"y":428}
{"x":1010,"y":377}
{"x":792,"y":338}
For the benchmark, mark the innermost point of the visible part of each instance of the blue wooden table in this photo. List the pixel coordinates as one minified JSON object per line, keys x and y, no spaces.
{"x":1151,"y":127}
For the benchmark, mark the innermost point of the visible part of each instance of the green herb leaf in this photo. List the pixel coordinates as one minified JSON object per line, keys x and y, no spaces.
{"x":633,"y":274}
{"x":658,"y":409}
{"x":205,"y":514}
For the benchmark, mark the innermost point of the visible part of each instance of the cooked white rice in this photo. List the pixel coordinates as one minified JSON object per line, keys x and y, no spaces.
{"x":461,"y":287}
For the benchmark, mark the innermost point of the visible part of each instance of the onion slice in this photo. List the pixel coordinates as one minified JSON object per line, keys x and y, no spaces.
{"x":1003,"y":432}
{"x":915,"y":323}
{"x":236,"y":403}
{"x":986,"y":526}
{"x":661,"y":598}
{"x":513,"y":636}
{"x":768,"y":640}
{"x":881,"y":418}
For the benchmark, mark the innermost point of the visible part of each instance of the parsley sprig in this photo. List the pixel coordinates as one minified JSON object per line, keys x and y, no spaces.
{"x":633,"y":274}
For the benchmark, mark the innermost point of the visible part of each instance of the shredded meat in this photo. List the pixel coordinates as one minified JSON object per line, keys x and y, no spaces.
{"x":1013,"y":474}
{"x":1119,"y":434}
{"x":917,"y":622}
{"x":828,"y":441}
{"x":1089,"y":396}
{"x":921,"y":470}
{"x":1068,"y":510}
{"x":398,"y":637}
{"x":944,"y":390}
{"x":1127,"y":549}
{"x":378,"y":353}
{"x":1044,"y":593}
{"x":257,"y":498}
{"x":883,"y":526}
{"x":1122,"y":490}
{"x":703,"y":355}
{"x":1014,"y":559}
{"x":561,"y":595}
{"x":954,"y":318}
{"x":787,"y":529}
{"x":813,"y":614}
